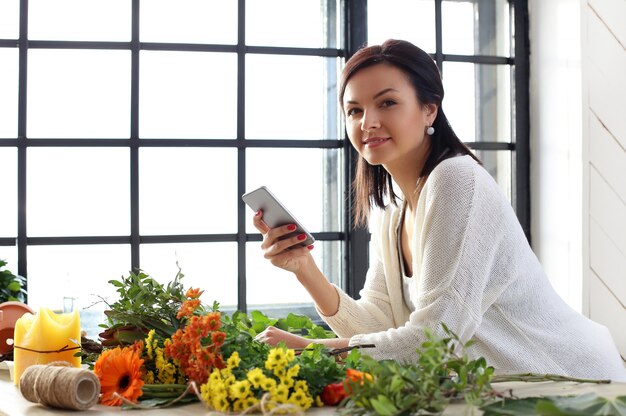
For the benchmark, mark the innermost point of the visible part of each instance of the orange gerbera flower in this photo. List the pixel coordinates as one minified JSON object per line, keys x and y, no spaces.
{"x":119,"y":371}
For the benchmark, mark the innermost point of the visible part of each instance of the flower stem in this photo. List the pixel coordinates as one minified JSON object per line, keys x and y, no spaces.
{"x":534,"y":377}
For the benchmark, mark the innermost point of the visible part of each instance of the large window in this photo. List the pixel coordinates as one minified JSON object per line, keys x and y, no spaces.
{"x":130,"y":129}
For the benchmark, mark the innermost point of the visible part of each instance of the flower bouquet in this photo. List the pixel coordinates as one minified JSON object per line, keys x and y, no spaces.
{"x":163,"y":346}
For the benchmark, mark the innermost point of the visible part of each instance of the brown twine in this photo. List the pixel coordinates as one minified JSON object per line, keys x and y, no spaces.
{"x":65,"y":348}
{"x":61,"y":386}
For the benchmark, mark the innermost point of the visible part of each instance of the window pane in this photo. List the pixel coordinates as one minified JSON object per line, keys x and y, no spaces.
{"x":8,"y":91}
{"x":78,"y":191}
{"x":78,"y":93}
{"x":286,"y":97}
{"x":476,"y":27}
{"x":8,"y":186}
{"x":9,"y":254}
{"x":95,"y":20}
{"x":211,"y":267}
{"x":412,"y":20}
{"x":188,"y":21}
{"x":76,"y":277}
{"x":9,"y":19}
{"x":269,"y":286}
{"x":188,"y":190}
{"x":458,"y":27}
{"x":297,"y":177}
{"x":188,"y":95}
{"x":285,"y":23}
{"x":499,"y":165}
{"x":478,"y":101}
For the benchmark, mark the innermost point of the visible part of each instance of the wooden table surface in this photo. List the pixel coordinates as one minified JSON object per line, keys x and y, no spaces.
{"x":12,"y":403}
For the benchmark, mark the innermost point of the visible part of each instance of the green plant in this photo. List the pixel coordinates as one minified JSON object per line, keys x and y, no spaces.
{"x":12,"y":287}
{"x":443,"y":373}
{"x":143,"y":304}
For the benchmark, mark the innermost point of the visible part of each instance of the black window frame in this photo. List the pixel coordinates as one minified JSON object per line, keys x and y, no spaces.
{"x":355,"y":240}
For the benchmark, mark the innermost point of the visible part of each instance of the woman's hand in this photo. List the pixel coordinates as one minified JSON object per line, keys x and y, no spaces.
{"x":287,"y":254}
{"x":273,"y":336}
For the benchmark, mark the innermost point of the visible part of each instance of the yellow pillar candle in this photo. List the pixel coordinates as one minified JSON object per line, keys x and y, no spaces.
{"x":38,"y":337}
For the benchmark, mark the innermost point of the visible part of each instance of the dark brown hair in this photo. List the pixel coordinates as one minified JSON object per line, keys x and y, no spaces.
{"x":373,"y":183}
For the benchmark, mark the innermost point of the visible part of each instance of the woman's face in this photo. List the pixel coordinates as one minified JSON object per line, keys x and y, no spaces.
{"x":384,"y":120}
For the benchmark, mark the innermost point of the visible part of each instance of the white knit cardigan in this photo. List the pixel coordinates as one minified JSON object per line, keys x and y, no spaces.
{"x":475,"y":272}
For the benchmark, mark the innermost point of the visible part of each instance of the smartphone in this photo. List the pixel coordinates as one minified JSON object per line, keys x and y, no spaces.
{"x":274,"y":212}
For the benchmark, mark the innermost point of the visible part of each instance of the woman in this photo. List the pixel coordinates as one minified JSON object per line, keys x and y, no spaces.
{"x":450,"y":250}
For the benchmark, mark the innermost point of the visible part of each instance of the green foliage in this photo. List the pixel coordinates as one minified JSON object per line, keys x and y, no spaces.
{"x":440,"y":375}
{"x":584,"y":405}
{"x":252,"y":353}
{"x":319,"y":368}
{"x":11,"y":286}
{"x":297,"y":324}
{"x":143,"y":304}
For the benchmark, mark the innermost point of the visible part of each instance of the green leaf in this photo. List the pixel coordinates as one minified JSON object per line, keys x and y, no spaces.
{"x":584,"y":405}
{"x":510,"y":407}
{"x":383,"y":406}
{"x":259,"y":316}
{"x":298,"y":321}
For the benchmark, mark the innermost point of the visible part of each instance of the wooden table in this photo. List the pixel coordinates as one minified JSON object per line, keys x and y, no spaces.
{"x":12,"y":403}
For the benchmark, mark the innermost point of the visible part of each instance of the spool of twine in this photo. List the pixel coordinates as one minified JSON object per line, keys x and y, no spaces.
{"x":60,"y":386}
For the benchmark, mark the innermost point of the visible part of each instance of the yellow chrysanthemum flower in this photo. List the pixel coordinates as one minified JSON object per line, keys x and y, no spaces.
{"x":293,"y":371}
{"x":301,"y":385}
{"x":286,"y":381}
{"x":251,"y":401}
{"x":280,"y":372}
{"x":256,"y":377}
{"x":240,"y":389}
{"x":205,"y":392}
{"x":280,"y":393}
{"x":268,"y":384}
{"x":221,"y":403}
{"x":290,"y":355}
{"x":215,"y":376}
{"x":318,"y":401}
{"x":229,"y":381}
{"x":225,"y":372}
{"x":276,"y":359}
{"x":148,"y":345}
{"x":233,"y":361}
{"x":300,"y":399}
{"x":167,"y":370}
{"x":148,"y":377}
{"x":218,"y":388}
{"x":238,"y":405}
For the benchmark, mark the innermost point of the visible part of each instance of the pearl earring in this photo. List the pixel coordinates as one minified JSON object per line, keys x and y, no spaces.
{"x":430,"y":130}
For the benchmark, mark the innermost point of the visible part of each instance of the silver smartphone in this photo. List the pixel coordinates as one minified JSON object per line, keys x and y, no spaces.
{"x":274,"y":212}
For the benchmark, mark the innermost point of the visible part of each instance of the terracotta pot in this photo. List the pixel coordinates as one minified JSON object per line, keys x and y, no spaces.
{"x":10,"y":312}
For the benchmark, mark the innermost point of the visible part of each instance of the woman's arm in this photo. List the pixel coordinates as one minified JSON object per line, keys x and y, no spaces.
{"x":272,"y":335}
{"x":372,"y":313}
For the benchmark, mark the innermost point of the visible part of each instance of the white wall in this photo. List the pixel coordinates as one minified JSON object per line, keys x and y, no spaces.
{"x":578,"y":153}
{"x":604,"y":164}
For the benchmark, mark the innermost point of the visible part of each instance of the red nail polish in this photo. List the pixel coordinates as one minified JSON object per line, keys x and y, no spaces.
{"x":291,"y":227}
{"x":302,"y":237}
{"x":310,"y":247}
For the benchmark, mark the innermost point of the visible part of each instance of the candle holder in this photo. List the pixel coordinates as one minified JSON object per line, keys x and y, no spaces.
{"x":44,"y":338}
